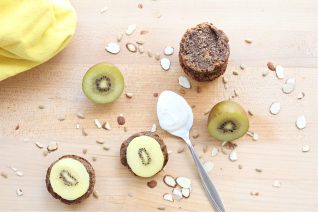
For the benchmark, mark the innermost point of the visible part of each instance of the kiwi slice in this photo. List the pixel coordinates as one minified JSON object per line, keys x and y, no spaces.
{"x":145,"y":154}
{"x":70,"y":179}
{"x":227,"y":121}
{"x":103,"y":83}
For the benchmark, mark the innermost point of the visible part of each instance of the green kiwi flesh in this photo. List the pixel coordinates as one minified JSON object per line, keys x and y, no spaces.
{"x":227,"y":121}
{"x":103,"y":83}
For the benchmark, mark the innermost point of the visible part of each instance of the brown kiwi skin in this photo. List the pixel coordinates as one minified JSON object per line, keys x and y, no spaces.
{"x":124,"y":145}
{"x":92,"y":178}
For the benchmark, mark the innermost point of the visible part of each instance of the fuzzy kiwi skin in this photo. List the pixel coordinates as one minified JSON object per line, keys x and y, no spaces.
{"x":90,"y":171}
{"x":227,"y":106}
{"x":124,"y":146}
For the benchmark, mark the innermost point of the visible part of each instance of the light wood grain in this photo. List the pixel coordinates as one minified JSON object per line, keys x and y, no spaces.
{"x":283,"y":32}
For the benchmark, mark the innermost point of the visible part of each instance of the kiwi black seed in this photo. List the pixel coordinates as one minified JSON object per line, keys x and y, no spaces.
{"x":103,"y":83}
{"x":227,"y":121}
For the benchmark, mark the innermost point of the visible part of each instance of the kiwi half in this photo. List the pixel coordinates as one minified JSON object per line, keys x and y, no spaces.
{"x":103,"y":83}
{"x":144,"y":153}
{"x":70,"y":179}
{"x":227,"y":121}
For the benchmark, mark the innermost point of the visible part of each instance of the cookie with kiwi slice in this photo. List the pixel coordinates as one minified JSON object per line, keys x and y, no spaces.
{"x":227,"y":121}
{"x":70,"y":179}
{"x":204,"y":52}
{"x":145,"y":154}
{"x":103,"y":83}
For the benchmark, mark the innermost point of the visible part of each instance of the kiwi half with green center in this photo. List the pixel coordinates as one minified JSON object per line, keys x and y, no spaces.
{"x":227,"y":121}
{"x":70,"y":179}
{"x":103,"y":83}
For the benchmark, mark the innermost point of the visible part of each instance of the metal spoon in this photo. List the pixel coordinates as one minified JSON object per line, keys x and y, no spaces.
{"x":172,"y":105}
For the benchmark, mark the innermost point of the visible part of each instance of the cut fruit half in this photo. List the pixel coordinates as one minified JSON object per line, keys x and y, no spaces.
{"x":227,"y":121}
{"x":103,"y":83}
{"x":144,"y":153}
{"x":70,"y":179}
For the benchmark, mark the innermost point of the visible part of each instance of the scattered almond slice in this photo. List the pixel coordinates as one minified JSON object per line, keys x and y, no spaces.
{"x":242,"y":66}
{"x":18,"y":173}
{"x":185,"y":192}
{"x":19,"y":192}
{"x":277,"y":184}
{"x":208,"y":166}
{"x":279,"y":72}
{"x":80,"y":115}
{"x":169,"y":181}
{"x":184,"y":82}
{"x":176,"y":194}
{"x":39,"y":145}
{"x":98,"y":124}
{"x":255,"y":137}
{"x":153,"y":128}
{"x":225,"y":79}
{"x":104,"y":9}
{"x":214,"y":152}
{"x":165,"y":63}
{"x":301,"y":95}
{"x":112,"y":48}
{"x":84,"y":133}
{"x":274,"y":108}
{"x":248,"y":41}
{"x":131,"y":29}
{"x":52,"y":147}
{"x":106,"y":126}
{"x":120,"y":37}
{"x":289,"y":86}
{"x":168,"y":50}
{"x":168,"y":197}
{"x":233,"y":156}
{"x":95,"y":194}
{"x":301,"y":122}
{"x":184,"y":182}
{"x":129,"y":95}
{"x":306,"y":148}
{"x":131,"y":47}
{"x":100,"y":141}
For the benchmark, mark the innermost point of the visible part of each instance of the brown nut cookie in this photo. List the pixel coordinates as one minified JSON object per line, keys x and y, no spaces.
{"x":204,"y":52}
{"x":70,"y":179}
{"x":145,"y":154}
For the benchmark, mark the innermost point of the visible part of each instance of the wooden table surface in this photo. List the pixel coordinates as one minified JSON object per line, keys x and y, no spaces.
{"x":284,"y":32}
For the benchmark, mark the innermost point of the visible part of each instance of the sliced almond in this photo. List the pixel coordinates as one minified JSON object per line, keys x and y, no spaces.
{"x":39,"y":145}
{"x":275,"y":108}
{"x":98,"y":124}
{"x":112,"y":48}
{"x":183,"y":182}
{"x":120,"y":37}
{"x":169,"y":181}
{"x":248,"y":41}
{"x":165,"y":64}
{"x":99,"y":141}
{"x":129,"y":95}
{"x":104,"y":9}
{"x":157,"y":56}
{"x":18,"y":173}
{"x":301,"y":122}
{"x":279,"y":72}
{"x":184,"y":82}
{"x":131,"y":29}
{"x":168,"y":50}
{"x":255,"y":136}
{"x":168,"y":197}
{"x":153,"y":128}
{"x":143,"y":32}
{"x":301,"y":95}
{"x":242,"y":66}
{"x":52,"y":147}
{"x":19,"y":192}
{"x":233,"y":156}
{"x":176,"y":194}
{"x":95,"y":194}
{"x":306,"y":148}
{"x":277,"y":184}
{"x":84,"y":133}
{"x":149,"y":53}
{"x":208,"y":166}
{"x":185,"y":192}
{"x":106,"y":126}
{"x":131,"y":47}
{"x":141,"y":49}
{"x":225,"y":80}
{"x":214,"y":152}
{"x":80,"y":115}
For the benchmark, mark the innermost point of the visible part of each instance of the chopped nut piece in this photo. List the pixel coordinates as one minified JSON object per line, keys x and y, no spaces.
{"x":161,"y":208}
{"x":169,"y":181}
{"x":129,"y":95}
{"x":17,"y":127}
{"x":19,"y":192}
{"x":199,"y":89}
{"x":106,"y":148}
{"x":168,"y":197}
{"x":84,"y":133}
{"x":149,"y":53}
{"x":155,"y":94}
{"x":258,"y":170}
{"x":131,"y":28}
{"x":153,"y":128}
{"x":120,"y":37}
{"x":242,"y":66}
{"x":4,"y":175}
{"x":98,"y":124}
{"x":233,"y":156}
{"x":214,"y":152}
{"x":94,"y":158}
{"x":95,"y":194}
{"x":301,"y":122}
{"x":250,"y":113}
{"x":157,"y":56}
{"x":143,"y":32}
{"x":240,"y":166}
{"x":248,"y":41}
{"x":99,"y":141}
{"x":84,"y":151}
{"x":140,"y":6}
{"x":41,"y":107}
{"x":52,"y":147}
{"x":279,"y":72}
{"x":306,"y":148}
{"x":45,"y":152}
{"x":235,"y":73}
{"x":106,"y":126}
{"x":39,"y":145}
{"x":80,"y":115}
{"x":277,"y":184}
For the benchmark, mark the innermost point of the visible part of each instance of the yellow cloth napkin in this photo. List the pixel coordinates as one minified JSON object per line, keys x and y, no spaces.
{"x":32,"y":32}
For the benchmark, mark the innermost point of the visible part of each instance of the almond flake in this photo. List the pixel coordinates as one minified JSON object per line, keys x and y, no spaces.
{"x":131,"y":28}
{"x":242,"y":66}
{"x":248,"y":41}
{"x":274,"y":108}
{"x":258,"y":170}
{"x":129,"y":95}
{"x":233,"y":156}
{"x":149,"y":53}
{"x":94,"y":158}
{"x":18,"y":173}
{"x":301,"y":95}
{"x":106,"y":148}
{"x":185,"y":192}
{"x":183,"y":182}
{"x":208,"y":166}
{"x":95,"y":194}
{"x":153,"y":128}
{"x":289,"y":85}
{"x":106,"y":126}
{"x":80,"y":115}
{"x":169,"y":181}
{"x":45,"y":152}
{"x":214,"y":152}
{"x":168,"y":197}
{"x":225,"y":80}
{"x":255,"y":136}
{"x":112,"y":48}
{"x":236,"y":92}
{"x":120,"y":37}
{"x":301,"y":122}
{"x":99,"y":141}
{"x":265,"y":73}
{"x":4,"y":175}
{"x":168,"y":50}
{"x":104,"y":9}
{"x":279,"y":72}
{"x":84,"y":133}
{"x":19,"y":192}
{"x":98,"y":124}
{"x":235,"y":73}
{"x":161,"y":208}
{"x":277,"y":184}
{"x":141,"y":49}
{"x":157,"y":56}
{"x":165,"y":64}
{"x":52,"y":147}
{"x":131,"y":47}
{"x":176,"y":194}
{"x":250,"y":113}
{"x":306,"y":148}
{"x":184,"y":82}
{"x":84,"y":151}
{"x":143,"y":32}
{"x":39,"y":145}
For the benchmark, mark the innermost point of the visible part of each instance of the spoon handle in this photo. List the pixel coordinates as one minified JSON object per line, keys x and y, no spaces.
{"x":207,"y":184}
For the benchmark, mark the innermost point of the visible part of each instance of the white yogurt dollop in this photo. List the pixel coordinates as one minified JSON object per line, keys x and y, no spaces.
{"x":173,"y":112}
